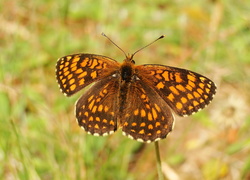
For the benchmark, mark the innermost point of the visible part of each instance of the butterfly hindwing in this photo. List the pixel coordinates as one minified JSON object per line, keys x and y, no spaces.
{"x":147,"y":116}
{"x":96,"y":109}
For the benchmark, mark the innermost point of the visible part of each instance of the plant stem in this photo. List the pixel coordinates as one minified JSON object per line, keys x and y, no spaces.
{"x":158,"y":159}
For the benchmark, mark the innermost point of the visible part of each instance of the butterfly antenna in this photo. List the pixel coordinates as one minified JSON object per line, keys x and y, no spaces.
{"x":162,"y":36}
{"x":114,"y":43}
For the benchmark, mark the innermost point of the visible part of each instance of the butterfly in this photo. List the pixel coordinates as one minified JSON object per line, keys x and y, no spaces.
{"x":138,"y":99}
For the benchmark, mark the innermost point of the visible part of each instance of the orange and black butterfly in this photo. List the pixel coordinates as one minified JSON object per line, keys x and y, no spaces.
{"x":139,"y":99}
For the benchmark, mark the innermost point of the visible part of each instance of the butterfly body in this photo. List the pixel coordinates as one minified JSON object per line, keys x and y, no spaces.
{"x":139,"y":99}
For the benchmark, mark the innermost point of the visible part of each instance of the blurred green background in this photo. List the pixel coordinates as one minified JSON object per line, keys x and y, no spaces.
{"x":39,"y":137}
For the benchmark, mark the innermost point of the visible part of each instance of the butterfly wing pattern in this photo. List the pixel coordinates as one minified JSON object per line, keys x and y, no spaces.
{"x":138,"y":99}
{"x":74,"y":72}
{"x":96,"y":109}
{"x":147,"y":116}
{"x":186,"y":92}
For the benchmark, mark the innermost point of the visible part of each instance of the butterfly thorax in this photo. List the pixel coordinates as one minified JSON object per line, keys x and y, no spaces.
{"x":126,"y":71}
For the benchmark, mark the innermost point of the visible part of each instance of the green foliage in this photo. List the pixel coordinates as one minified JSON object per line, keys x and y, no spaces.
{"x":40,"y":138}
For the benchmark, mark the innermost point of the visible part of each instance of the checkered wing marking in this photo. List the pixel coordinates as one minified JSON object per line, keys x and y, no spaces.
{"x":96,"y":109}
{"x":186,"y":92}
{"x":147,"y":116}
{"x":74,"y":72}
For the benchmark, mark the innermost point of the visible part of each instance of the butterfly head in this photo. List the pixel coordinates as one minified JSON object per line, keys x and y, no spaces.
{"x":129,"y":58}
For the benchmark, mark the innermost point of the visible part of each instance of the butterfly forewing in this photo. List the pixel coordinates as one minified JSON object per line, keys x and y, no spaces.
{"x":186,"y":92}
{"x":74,"y":72}
{"x":147,"y":116}
{"x":96,"y":109}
